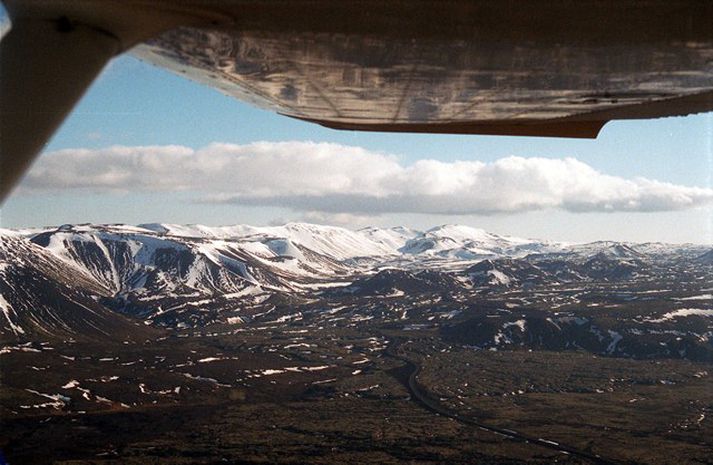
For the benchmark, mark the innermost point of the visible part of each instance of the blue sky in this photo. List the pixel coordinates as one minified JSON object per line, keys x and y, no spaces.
{"x":135,"y":104}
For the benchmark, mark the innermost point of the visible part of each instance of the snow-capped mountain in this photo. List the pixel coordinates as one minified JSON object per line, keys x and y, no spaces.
{"x":176,"y":275}
{"x":394,"y":238}
{"x":43,"y":296}
{"x":191,"y":274}
{"x":466,"y":243}
{"x":335,"y":242}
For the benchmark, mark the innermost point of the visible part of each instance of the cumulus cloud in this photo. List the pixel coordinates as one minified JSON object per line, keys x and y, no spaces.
{"x":325,"y":178}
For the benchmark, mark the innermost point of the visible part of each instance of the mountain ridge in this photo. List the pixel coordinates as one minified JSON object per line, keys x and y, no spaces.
{"x":192,"y":275}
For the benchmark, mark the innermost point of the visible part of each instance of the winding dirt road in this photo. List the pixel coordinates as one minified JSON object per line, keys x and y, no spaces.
{"x":421,"y":397}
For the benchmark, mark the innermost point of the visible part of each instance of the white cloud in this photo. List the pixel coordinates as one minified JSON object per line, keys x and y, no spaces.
{"x":324,"y":178}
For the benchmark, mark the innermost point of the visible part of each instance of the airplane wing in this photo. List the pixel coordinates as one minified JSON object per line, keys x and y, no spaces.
{"x":511,"y":67}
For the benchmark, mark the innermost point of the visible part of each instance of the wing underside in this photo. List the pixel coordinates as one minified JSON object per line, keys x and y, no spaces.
{"x":521,"y":68}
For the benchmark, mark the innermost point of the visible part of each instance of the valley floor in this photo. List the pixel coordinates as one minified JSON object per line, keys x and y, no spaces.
{"x":342,"y":395}
{"x":132,"y":345}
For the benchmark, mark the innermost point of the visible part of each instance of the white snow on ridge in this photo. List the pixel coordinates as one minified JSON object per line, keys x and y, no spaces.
{"x":336,"y":242}
{"x":697,"y":297}
{"x":466,"y":243}
{"x":7,"y":311}
{"x":519,"y":323}
{"x":462,"y":233}
{"x":201,"y":231}
{"x":246,"y":260}
{"x":456,"y":241}
{"x":339,"y":243}
{"x":393,"y":238}
{"x":500,"y":277}
{"x":440,"y":246}
{"x":9,"y":233}
{"x":682,"y":312}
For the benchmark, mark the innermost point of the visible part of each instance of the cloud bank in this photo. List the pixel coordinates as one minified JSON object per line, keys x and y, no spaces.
{"x":339,"y":179}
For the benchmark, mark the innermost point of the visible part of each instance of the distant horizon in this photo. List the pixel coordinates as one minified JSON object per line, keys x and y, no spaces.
{"x":143,"y":225}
